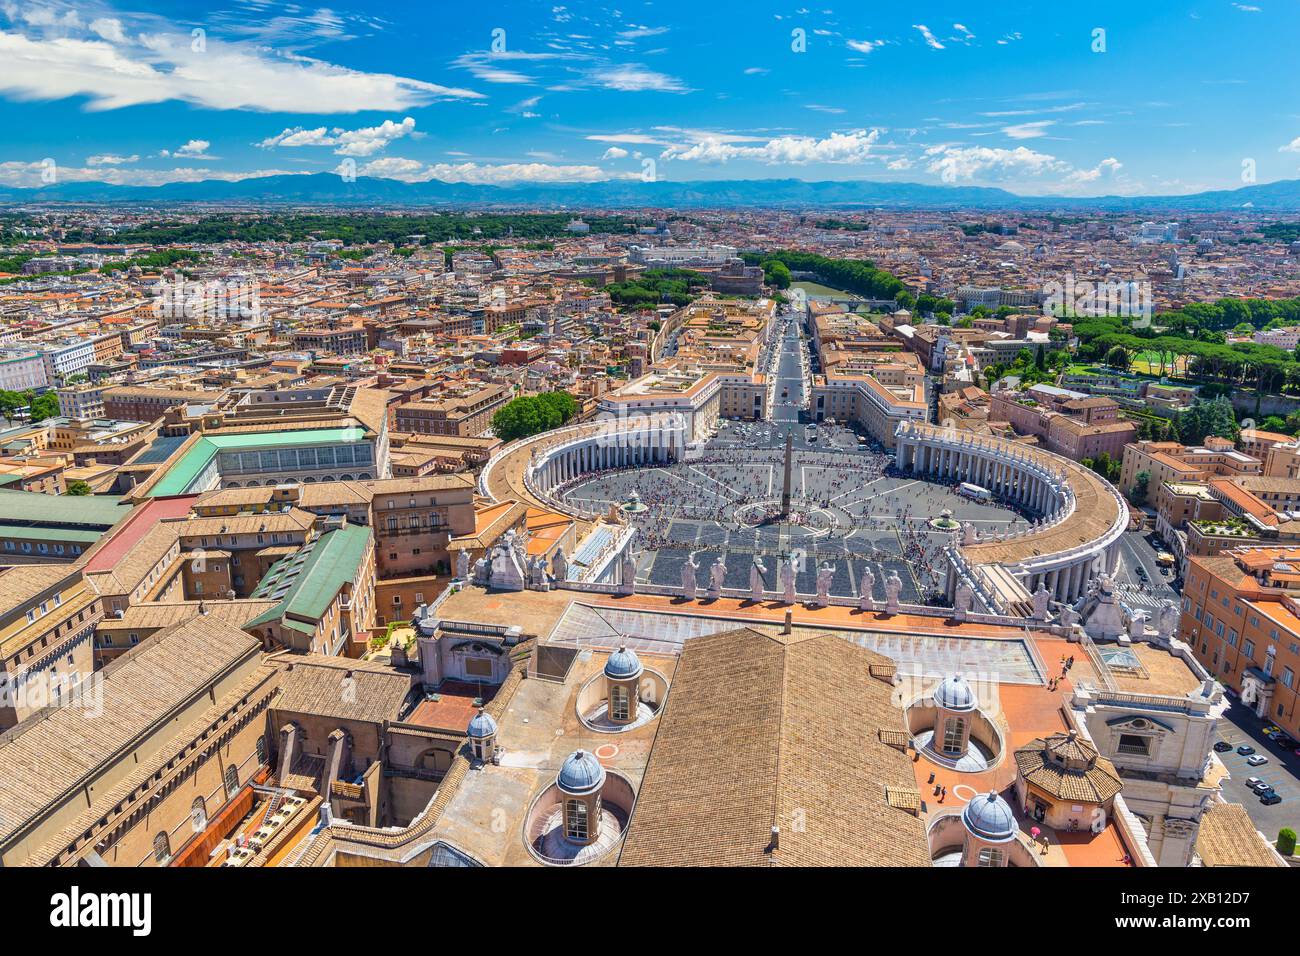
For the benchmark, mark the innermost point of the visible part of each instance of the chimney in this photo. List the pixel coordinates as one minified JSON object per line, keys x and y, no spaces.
{"x":789,"y":621}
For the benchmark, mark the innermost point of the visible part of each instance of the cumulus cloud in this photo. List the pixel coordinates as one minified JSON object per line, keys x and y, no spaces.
{"x":111,"y":159}
{"x":481,"y":174}
{"x":851,"y":147}
{"x":952,"y":163}
{"x":348,"y":142}
{"x":29,"y":175}
{"x":1108,"y":167}
{"x":113,"y":72}
{"x":1291,"y":147}
{"x":615,"y":152}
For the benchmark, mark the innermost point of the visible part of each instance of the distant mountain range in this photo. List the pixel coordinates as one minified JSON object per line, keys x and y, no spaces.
{"x":328,"y":188}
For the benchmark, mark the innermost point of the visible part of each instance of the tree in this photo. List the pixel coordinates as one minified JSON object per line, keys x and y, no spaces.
{"x":44,"y":406}
{"x":532,"y":414}
{"x":1203,"y":419}
{"x":1138,"y":494}
{"x":1286,"y":841}
{"x":1119,"y":358}
{"x":78,"y":488}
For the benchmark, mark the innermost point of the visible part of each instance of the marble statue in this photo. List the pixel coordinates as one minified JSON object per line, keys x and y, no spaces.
{"x":1041,"y":598}
{"x":1137,"y":625}
{"x":825,"y":574}
{"x":628,"y":584}
{"x":962,"y":600}
{"x":689,"y":587}
{"x":756,"y":585}
{"x":482,"y":568}
{"x":969,"y":534}
{"x":893,"y":587}
{"x":462,"y":565}
{"x":560,"y":566}
{"x":717,"y":577}
{"x":866,"y":599}
{"x":1167,"y":621}
{"x":787,"y":580}
{"x":1069,"y":616}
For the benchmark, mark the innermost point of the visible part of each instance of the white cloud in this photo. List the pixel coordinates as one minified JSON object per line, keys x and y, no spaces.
{"x":478,"y":174}
{"x":952,"y":163}
{"x":194,"y":149}
{"x":852,"y":147}
{"x":157,"y":68}
{"x":1109,"y":166}
{"x":29,"y":175}
{"x":1028,"y":130}
{"x":929,"y":37}
{"x":107,"y":28}
{"x":355,"y":142}
{"x":111,"y":159}
{"x":615,"y":152}
{"x":1291,"y":147}
{"x":865,"y":46}
{"x":1248,"y":8}
{"x":636,"y":32}
{"x":756,"y":70}
{"x":634,"y":78}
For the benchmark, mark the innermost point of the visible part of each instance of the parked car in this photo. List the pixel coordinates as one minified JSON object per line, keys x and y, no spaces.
{"x":1222,"y":746}
{"x":1269,"y":798}
{"x":1256,"y":784}
{"x":1257,"y":760}
{"x":1286,"y":742}
{"x":1245,"y":750}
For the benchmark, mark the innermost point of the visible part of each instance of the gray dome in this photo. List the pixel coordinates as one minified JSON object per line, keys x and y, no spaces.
{"x":622,"y":664}
{"x":955,"y":694}
{"x":989,"y":817}
{"x":481,"y":725}
{"x":580,"y":773}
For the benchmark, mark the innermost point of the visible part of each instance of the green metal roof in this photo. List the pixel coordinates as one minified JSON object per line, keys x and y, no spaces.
{"x":181,"y":475}
{"x":310,"y":578}
{"x":25,"y":533}
{"x":34,"y":508}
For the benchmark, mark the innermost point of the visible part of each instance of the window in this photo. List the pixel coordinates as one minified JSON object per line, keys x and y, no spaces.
{"x":1288,"y":677}
{"x":620,"y":707}
{"x":232,"y":781}
{"x":1135,"y":745}
{"x":198,"y":815}
{"x":1248,"y":648}
{"x":989,"y":856}
{"x":954,"y":735}
{"x":162,"y":849}
{"x":575,"y":820}
{"x":1232,"y":638}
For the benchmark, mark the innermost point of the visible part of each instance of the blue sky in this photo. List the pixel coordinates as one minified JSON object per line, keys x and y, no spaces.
{"x":1166,"y":98}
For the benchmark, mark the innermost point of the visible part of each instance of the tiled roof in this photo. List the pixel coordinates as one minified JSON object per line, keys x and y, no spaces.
{"x":50,"y":753}
{"x":1228,"y":837}
{"x":341,"y":688}
{"x":775,"y":730}
{"x":1096,"y":783}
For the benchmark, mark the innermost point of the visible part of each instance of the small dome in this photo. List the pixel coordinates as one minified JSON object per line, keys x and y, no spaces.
{"x":581,"y":773}
{"x":989,"y":817}
{"x":622,"y":664}
{"x":955,"y":694}
{"x":481,"y":725}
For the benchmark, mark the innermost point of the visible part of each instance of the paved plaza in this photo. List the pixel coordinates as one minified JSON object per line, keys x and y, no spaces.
{"x":848,"y":509}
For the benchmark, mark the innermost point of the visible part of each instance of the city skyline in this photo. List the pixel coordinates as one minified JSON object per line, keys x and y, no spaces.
{"x":1103,"y":101}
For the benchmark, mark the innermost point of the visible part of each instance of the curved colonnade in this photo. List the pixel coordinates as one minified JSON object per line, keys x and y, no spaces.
{"x":1082,"y":516}
{"x":1077,"y":537}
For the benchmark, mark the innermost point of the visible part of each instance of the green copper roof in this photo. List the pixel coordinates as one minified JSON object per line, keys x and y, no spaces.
{"x":308,"y":580}
{"x":181,"y":475}
{"x":34,"y":508}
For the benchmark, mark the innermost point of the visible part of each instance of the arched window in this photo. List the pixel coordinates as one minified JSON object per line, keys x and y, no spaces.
{"x":232,"y":781}
{"x":198,"y":815}
{"x":575,"y":820}
{"x":162,"y":848}
{"x":954,"y":735}
{"x":261,"y":750}
{"x":620,"y":706}
{"x":989,"y":856}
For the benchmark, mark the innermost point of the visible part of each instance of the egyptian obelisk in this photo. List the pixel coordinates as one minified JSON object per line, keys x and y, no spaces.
{"x":785,"y":489}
